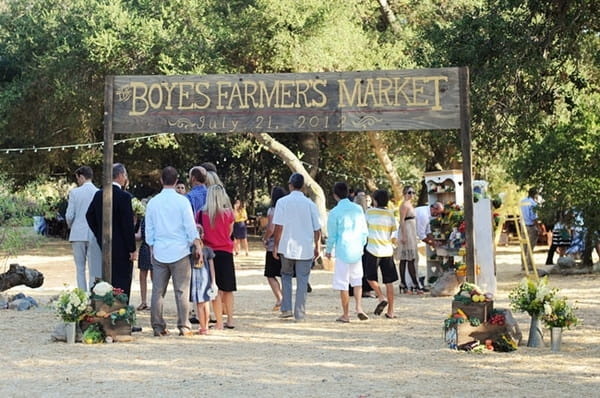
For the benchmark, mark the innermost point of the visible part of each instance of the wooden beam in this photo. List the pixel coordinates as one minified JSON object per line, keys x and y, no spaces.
{"x":465,"y":128}
{"x":107,"y":181}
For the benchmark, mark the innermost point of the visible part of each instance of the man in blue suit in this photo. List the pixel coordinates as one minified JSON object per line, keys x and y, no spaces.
{"x":123,"y":234}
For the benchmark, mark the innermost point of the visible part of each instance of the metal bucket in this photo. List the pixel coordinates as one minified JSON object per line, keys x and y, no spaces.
{"x":555,"y":338}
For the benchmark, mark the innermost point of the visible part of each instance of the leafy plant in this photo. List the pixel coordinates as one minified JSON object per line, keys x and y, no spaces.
{"x":559,"y":313}
{"x":531,"y":296}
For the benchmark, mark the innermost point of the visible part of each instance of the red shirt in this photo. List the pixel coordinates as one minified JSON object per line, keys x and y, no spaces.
{"x":219,"y":236}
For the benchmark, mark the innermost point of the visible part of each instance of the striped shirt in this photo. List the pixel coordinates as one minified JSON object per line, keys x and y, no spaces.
{"x":381,"y":224}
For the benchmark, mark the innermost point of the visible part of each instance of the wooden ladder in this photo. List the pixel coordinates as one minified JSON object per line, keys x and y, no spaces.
{"x":524,"y":244}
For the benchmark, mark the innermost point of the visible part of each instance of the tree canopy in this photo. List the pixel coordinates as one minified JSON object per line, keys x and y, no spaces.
{"x":533,"y":65}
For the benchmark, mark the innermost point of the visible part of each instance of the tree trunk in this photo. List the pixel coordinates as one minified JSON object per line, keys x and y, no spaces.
{"x":380,"y":149}
{"x":309,"y":142}
{"x":19,"y":275}
{"x":314,"y":190}
{"x":389,"y":16}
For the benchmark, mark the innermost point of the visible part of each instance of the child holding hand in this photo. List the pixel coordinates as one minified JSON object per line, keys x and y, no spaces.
{"x":203,"y":287}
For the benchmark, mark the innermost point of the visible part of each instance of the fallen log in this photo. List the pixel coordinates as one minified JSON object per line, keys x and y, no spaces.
{"x":19,"y":275}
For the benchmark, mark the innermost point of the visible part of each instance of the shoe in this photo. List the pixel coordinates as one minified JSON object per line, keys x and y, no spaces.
{"x":194,"y":320}
{"x":136,"y":329}
{"x":229,"y":326}
{"x":286,"y":314}
{"x":276,"y":307}
{"x":380,"y":307}
{"x":162,"y":333}
{"x":308,"y":288}
{"x":142,"y":307}
{"x":388,"y":316}
{"x":362,"y":316}
{"x":342,"y":320}
{"x":212,"y":321}
{"x":186,"y":333}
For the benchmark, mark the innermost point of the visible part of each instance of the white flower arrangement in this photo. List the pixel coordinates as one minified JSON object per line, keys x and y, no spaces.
{"x":72,"y":305}
{"x":102,"y":288}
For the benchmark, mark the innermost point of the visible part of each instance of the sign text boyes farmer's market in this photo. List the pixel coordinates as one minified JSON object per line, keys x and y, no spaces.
{"x":345,"y":101}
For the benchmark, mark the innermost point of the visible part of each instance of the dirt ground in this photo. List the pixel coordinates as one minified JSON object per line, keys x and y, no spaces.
{"x":267,"y":357}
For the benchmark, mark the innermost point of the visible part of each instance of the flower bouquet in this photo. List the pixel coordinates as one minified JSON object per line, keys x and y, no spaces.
{"x":558,"y":313}
{"x":531,"y":296}
{"x":72,"y":305}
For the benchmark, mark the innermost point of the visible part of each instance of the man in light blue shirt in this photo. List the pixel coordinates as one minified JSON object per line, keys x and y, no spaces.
{"x":347,"y":228}
{"x":170,"y":231}
{"x":530,"y":220}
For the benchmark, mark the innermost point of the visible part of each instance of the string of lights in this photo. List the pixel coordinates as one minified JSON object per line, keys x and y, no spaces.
{"x":89,"y":145}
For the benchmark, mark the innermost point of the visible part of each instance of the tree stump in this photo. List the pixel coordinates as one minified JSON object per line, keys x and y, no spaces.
{"x":19,"y":275}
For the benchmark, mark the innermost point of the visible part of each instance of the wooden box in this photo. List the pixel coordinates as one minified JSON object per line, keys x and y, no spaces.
{"x":120,"y":331}
{"x":464,"y":333}
{"x":480,"y":311}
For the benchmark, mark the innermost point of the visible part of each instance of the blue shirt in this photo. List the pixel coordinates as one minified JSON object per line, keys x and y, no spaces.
{"x":528,"y":211}
{"x":197,"y":197}
{"x":347,"y":229}
{"x":170,"y":226}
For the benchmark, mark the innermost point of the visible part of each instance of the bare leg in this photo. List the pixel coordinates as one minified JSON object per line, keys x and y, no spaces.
{"x":218,"y":309}
{"x":276,"y":288}
{"x":390,"y":298}
{"x":358,"y":298}
{"x":345,"y":297}
{"x":203,"y":315}
{"x":144,"y":286}
{"x":245,"y":245}
{"x":227,"y":299}
{"x":375,"y":286}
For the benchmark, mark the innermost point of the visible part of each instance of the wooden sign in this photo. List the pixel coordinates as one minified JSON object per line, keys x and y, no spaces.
{"x":424,"y":99}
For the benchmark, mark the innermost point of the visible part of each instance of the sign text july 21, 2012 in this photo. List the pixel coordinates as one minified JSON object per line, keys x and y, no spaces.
{"x":344,"y":101}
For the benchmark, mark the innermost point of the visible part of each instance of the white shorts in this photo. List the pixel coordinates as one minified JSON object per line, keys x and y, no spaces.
{"x":345,"y":274}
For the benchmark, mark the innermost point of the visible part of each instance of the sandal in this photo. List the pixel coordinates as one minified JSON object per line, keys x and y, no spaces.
{"x":142,"y":307}
{"x":380,"y":307}
{"x":203,"y":331}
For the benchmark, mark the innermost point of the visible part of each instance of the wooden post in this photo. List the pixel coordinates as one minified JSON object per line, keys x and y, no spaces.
{"x":107,"y":181}
{"x":465,"y":128}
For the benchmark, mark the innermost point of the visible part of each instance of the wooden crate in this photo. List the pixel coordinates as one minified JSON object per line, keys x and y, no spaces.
{"x":480,"y":311}
{"x":118,"y":331}
{"x":464,"y":333}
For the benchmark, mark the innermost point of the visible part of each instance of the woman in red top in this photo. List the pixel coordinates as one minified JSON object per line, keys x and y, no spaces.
{"x":217,"y":220}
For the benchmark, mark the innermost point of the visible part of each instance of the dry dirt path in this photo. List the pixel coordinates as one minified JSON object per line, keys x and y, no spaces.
{"x":267,"y":357}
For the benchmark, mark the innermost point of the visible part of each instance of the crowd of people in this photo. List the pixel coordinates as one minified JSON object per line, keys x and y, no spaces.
{"x":191,"y":238}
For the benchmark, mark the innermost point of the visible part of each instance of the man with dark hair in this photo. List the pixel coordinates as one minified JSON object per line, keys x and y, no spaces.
{"x":123,"y":234}
{"x":380,"y":251}
{"x":81,"y":236}
{"x":297,"y":235}
{"x":197,"y":194}
{"x":170,"y":232}
{"x":347,"y":229}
